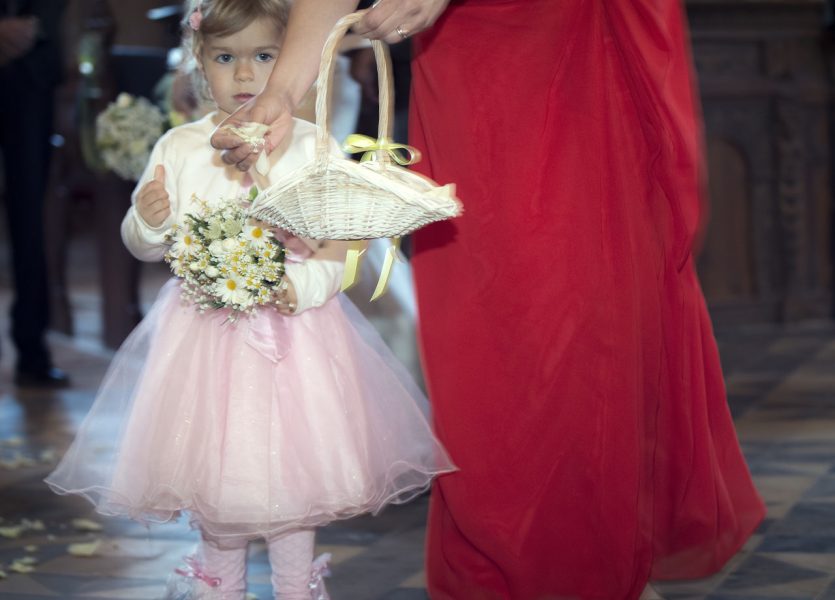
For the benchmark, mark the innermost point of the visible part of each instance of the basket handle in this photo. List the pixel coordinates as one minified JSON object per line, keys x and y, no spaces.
{"x":325,"y":81}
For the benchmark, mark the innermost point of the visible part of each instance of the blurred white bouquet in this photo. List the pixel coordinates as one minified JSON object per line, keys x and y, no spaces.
{"x":225,"y":259}
{"x":126,"y":131}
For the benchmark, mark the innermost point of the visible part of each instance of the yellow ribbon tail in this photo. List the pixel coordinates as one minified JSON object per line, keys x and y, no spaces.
{"x":385,"y":272}
{"x":353,"y":260}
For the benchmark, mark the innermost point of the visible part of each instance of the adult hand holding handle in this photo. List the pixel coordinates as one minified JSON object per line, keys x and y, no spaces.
{"x":268,"y":108}
{"x":393,"y":21}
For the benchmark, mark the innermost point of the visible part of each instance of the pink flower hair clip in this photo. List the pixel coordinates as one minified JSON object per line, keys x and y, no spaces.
{"x":195,"y":18}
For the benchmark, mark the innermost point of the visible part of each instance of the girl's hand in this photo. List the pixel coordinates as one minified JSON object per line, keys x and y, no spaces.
{"x":268,"y":108}
{"x":152,"y":201}
{"x":286,"y":299}
{"x":395,"y":20}
{"x":310,"y":284}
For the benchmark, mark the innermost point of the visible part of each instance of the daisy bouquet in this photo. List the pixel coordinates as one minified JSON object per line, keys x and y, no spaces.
{"x":225,"y":259}
{"x":126,"y":131}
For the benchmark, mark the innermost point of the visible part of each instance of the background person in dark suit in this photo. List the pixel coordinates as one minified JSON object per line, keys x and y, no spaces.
{"x":30,"y":70}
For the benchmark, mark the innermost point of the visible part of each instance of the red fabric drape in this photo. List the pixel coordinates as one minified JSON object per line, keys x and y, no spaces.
{"x":568,"y":353}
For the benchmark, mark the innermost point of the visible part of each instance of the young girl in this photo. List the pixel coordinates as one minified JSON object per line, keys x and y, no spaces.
{"x":266,"y":427}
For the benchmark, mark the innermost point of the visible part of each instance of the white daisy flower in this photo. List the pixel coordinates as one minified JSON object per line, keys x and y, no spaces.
{"x":257,"y":236}
{"x":234,"y":258}
{"x":185,"y":244}
{"x":232,"y":290}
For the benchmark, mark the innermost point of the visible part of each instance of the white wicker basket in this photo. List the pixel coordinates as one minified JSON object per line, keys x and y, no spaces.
{"x":335,"y":198}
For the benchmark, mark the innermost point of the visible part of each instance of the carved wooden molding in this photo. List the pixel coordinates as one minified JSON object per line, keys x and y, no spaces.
{"x":765,"y":78}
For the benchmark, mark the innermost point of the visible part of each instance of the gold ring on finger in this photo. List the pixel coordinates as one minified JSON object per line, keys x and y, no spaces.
{"x":402,"y":32}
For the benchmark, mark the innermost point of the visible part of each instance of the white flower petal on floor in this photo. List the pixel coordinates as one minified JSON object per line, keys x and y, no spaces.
{"x":84,"y":549}
{"x":86,"y":525}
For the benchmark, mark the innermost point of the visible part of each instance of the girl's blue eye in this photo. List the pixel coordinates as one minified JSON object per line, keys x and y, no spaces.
{"x":224,"y":58}
{"x":264,"y":57}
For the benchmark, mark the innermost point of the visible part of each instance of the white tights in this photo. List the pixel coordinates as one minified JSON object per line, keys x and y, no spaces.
{"x":228,"y":564}
{"x":291,"y":558}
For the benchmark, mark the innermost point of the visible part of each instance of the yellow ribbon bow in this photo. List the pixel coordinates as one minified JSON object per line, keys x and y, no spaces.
{"x":402,"y":154}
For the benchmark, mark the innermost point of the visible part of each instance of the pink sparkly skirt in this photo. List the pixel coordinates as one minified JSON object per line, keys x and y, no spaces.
{"x":256,"y":427}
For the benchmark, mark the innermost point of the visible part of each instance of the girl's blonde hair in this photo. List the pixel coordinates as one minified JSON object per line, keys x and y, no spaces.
{"x":221,"y":18}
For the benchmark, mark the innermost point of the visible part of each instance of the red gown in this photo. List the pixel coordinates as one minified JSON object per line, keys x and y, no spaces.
{"x":569,"y":356}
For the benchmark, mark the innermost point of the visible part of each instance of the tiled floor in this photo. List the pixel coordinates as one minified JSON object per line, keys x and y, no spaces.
{"x":782,"y":387}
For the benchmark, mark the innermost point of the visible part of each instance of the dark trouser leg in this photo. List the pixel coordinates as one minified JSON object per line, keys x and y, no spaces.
{"x":25,"y":127}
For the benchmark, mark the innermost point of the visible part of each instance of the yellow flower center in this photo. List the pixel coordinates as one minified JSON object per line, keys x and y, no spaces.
{"x":187,"y":240}
{"x":231,"y":285}
{"x":257,"y":233}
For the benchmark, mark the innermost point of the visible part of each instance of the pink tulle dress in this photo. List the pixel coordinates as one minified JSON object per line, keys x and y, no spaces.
{"x":254,"y":428}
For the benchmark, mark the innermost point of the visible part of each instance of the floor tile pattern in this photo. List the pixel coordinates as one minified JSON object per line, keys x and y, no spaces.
{"x":781,"y":383}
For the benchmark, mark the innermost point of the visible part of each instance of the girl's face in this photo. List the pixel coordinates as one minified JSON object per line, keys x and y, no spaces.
{"x":237,"y":66}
